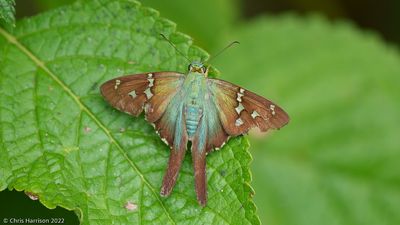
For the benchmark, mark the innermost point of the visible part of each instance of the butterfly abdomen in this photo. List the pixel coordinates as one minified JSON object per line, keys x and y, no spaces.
{"x":193,"y":114}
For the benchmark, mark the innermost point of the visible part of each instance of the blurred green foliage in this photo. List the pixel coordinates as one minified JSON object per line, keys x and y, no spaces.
{"x":207,"y":20}
{"x":337,"y":162}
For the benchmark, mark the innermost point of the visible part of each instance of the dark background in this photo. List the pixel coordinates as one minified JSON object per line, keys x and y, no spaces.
{"x":381,"y":16}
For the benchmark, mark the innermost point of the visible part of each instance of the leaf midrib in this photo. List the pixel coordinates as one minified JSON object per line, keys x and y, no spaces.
{"x":13,"y":40}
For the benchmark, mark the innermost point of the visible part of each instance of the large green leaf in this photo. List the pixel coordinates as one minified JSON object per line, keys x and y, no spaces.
{"x":7,"y":11}
{"x":337,"y":162}
{"x":62,"y":142}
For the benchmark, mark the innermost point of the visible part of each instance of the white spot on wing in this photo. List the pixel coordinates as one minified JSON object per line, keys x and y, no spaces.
{"x":238,"y":122}
{"x":148,"y":93}
{"x":223,"y":144}
{"x":272,"y":108}
{"x":117,"y":83}
{"x":239,"y":97}
{"x":254,"y":114}
{"x":133,"y":94}
{"x":239,"y":108}
{"x":165,"y":141}
{"x":151,"y":84}
{"x":151,"y":80}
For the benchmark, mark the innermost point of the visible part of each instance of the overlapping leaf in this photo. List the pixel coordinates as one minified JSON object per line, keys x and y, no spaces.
{"x":61,"y":141}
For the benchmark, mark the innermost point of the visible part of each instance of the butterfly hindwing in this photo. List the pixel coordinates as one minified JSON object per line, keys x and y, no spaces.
{"x":170,"y":125}
{"x":172,"y":128}
{"x":240,"y":110}
{"x":199,"y":152}
{"x":216,"y":135}
{"x":209,"y":135}
{"x":156,"y":93}
{"x":165,"y":87}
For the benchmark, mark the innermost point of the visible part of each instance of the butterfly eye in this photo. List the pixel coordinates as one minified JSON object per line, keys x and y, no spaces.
{"x":204,"y":69}
{"x":190,"y":67}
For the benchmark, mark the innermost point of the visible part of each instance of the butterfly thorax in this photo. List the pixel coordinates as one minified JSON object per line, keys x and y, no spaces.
{"x":194,"y":88}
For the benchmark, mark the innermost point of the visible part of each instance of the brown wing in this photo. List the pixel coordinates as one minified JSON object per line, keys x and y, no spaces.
{"x":240,"y":109}
{"x":130,"y":93}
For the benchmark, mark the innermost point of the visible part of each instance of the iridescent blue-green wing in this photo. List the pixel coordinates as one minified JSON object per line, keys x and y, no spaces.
{"x":209,"y":135}
{"x":159,"y":94}
{"x":240,"y":109}
{"x":228,"y":111}
{"x":171,"y":127}
{"x":131,"y":93}
{"x":199,"y":152}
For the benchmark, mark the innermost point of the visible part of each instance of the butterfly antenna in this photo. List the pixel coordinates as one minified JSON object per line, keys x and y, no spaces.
{"x":222,"y":50}
{"x":175,"y":47}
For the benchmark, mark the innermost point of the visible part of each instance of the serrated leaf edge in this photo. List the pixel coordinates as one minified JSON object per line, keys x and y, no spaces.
{"x":83,"y":107}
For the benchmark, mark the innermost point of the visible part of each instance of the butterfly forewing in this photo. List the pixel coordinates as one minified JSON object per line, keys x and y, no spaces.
{"x":240,"y":109}
{"x":126,"y":93}
{"x":130,"y":93}
{"x":266,"y":113}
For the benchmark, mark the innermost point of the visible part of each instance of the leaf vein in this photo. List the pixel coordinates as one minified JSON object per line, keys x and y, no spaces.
{"x":83,"y":107}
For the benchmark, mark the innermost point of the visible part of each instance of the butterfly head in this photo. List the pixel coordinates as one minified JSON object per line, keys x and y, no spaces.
{"x":197,"y":67}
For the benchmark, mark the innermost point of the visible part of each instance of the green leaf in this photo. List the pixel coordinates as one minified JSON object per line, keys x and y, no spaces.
{"x":337,"y":162}
{"x":7,"y":11}
{"x":61,"y":141}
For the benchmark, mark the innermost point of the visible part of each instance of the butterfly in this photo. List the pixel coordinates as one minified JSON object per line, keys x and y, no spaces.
{"x":195,"y":108}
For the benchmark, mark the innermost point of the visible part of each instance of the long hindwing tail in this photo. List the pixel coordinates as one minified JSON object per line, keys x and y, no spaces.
{"x":199,"y":152}
{"x":209,"y":135}
{"x":171,"y":127}
{"x":240,"y":109}
{"x":178,"y":143}
{"x":152,"y":91}
{"x":155,"y":93}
